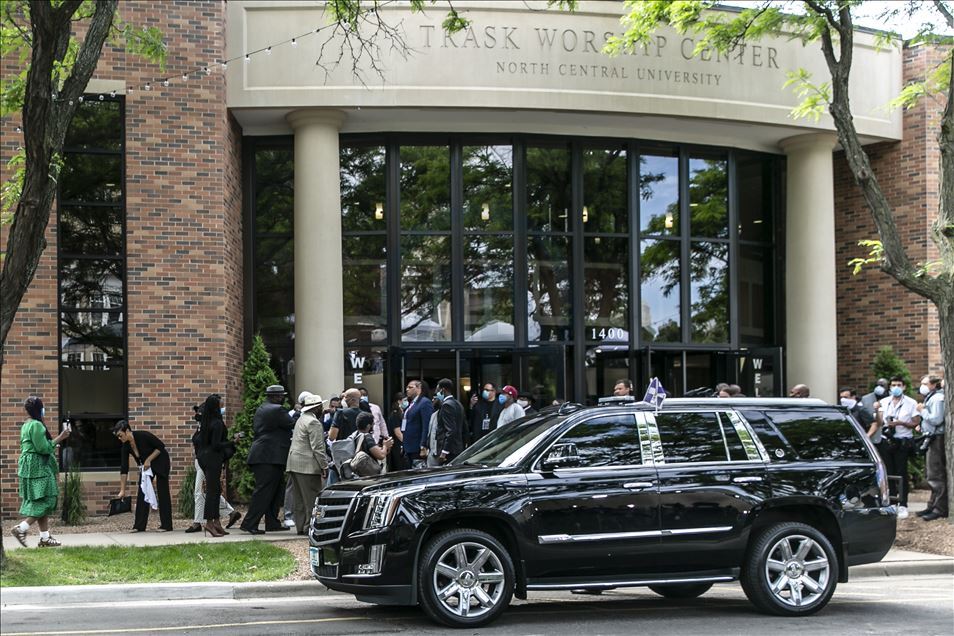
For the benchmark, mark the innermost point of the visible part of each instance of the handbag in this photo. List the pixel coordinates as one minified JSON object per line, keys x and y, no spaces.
{"x":119,"y":506}
{"x":364,"y":465}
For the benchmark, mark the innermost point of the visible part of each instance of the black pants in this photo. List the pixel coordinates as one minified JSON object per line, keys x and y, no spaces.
{"x":213,"y":488}
{"x":266,"y":498}
{"x":165,"y":505}
{"x":936,"y":465}
{"x":896,"y":456}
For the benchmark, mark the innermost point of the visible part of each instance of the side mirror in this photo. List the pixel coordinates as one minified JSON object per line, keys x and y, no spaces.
{"x":562,"y":456}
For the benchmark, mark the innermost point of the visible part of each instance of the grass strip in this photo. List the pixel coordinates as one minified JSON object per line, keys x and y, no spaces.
{"x":244,"y":561}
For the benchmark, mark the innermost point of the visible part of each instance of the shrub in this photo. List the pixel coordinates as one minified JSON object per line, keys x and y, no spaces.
{"x":257,"y":375}
{"x":74,"y":508}
{"x":186,"y":503}
{"x":887,"y":364}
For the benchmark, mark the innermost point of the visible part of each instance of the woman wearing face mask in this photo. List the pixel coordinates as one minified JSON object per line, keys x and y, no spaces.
{"x":212,"y":449}
{"x":396,"y":459}
{"x":36,"y":474}
{"x":511,"y":410}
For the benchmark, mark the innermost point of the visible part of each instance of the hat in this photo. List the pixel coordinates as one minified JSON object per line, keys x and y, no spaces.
{"x":275,"y":389}
{"x":302,"y":396}
{"x":310,"y":402}
{"x":511,"y":391}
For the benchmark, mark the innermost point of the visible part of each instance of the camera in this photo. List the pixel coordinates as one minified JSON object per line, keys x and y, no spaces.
{"x":888,"y":429}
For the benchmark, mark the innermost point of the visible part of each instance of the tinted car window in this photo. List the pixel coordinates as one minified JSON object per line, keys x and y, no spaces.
{"x":732,"y":441}
{"x":605,"y":441}
{"x":774,"y":444}
{"x":691,"y":437}
{"x":820,"y":436}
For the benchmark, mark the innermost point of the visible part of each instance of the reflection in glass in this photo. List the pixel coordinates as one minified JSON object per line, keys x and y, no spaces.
{"x":549,"y":304}
{"x":755,"y":197}
{"x":660,"y":318}
{"x":606,"y":364}
{"x":425,"y":188}
{"x":92,"y":230}
{"x":755,"y":295}
{"x":88,"y":282}
{"x":96,"y":125}
{"x":488,"y":288}
{"x":548,"y":189}
{"x":93,"y":338}
{"x":606,"y":288}
{"x":363,"y":179}
{"x":92,"y":443}
{"x":605,"y":190}
{"x":364,"y":284}
{"x":91,"y":178}
{"x":275,"y":291}
{"x":605,"y":441}
{"x":691,"y":437}
{"x":425,"y":288}
{"x":659,"y":194}
{"x":366,"y":368}
{"x":274,"y":190}
{"x":488,"y":196}
{"x":709,"y":272}
{"x":708,"y":197}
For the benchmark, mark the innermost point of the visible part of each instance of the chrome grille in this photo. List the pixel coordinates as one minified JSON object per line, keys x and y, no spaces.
{"x":333,"y":508}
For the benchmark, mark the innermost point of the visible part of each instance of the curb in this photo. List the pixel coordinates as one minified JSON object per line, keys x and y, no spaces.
{"x":77,"y":594}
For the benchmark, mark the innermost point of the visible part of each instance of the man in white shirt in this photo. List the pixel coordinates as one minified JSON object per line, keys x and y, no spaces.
{"x":380,"y":428}
{"x":511,"y":410}
{"x":898,"y":416}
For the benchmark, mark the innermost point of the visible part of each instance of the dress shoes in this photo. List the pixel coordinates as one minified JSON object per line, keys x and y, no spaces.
{"x":195,"y":527}
{"x":933,"y":515}
{"x":252,"y":530}
{"x":234,"y":516}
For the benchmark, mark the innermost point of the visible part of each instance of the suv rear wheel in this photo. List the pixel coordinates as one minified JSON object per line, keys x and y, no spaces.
{"x":465,"y":578}
{"x":681,"y":590}
{"x":791,"y":570}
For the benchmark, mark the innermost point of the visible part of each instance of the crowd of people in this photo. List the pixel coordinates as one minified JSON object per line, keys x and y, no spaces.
{"x":295,"y":453}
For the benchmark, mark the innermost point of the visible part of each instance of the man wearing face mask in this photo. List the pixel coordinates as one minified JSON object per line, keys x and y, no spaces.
{"x":380,"y":428}
{"x":485,"y":412}
{"x":932,"y":424}
{"x":898,"y":417}
{"x":511,"y":410}
{"x":526,"y":403}
{"x":848,"y":398}
{"x":868,"y":399}
{"x":450,"y":423}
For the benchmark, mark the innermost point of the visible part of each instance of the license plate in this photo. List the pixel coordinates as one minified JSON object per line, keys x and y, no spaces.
{"x":315,"y":554}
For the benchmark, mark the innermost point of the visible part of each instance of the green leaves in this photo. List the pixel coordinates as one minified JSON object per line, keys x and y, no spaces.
{"x":875,"y":256}
{"x":815,"y":97}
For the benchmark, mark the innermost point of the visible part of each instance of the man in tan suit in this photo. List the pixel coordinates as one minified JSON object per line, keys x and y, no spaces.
{"x":307,"y":463}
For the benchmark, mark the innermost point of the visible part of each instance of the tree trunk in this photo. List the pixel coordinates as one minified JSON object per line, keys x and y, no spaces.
{"x":946,"y":310}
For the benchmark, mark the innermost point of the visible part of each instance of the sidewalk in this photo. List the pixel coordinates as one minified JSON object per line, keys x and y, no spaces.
{"x":150,"y":538}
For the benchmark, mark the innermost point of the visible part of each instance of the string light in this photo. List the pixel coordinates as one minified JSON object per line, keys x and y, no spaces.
{"x":224,"y":64}
{"x":101,"y":97}
{"x":185,"y":77}
{"x":148,"y":87}
{"x":112,"y":93}
{"x":294,"y":42}
{"x":248,"y":58}
{"x":80,"y":98}
{"x":165,"y":82}
{"x":268,"y":51}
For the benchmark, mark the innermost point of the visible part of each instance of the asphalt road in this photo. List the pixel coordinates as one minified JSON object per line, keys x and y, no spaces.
{"x":898,"y":605}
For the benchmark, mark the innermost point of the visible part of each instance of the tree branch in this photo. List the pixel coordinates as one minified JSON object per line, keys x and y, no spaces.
{"x":948,"y":16}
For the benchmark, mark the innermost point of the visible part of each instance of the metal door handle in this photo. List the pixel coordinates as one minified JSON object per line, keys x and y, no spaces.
{"x":638,"y":485}
{"x":746,"y":480}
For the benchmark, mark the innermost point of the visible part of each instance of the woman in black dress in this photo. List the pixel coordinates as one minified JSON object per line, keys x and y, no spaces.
{"x":396,"y":459}
{"x":149,"y":452}
{"x":212,"y":449}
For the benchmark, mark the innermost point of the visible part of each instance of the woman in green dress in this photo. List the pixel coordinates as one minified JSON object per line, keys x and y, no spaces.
{"x":36,"y":471}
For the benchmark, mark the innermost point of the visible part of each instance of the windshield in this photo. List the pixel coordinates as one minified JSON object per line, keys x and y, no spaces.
{"x":507,"y":445}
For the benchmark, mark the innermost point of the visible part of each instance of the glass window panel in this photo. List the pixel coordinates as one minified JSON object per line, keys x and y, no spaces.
{"x":93,"y":230}
{"x":708,"y":197}
{"x":488,"y":195}
{"x":92,"y":443}
{"x":736,"y":449}
{"x":820,"y":436}
{"x":96,"y":125}
{"x":606,"y":288}
{"x":701,"y":370}
{"x":659,"y":194}
{"x":92,"y":178}
{"x":363,"y":178}
{"x":755,"y":196}
{"x":691,"y":437}
{"x":756,"y":295}
{"x":605,"y":191}
{"x":87,"y":282}
{"x":548,"y":189}
{"x":425,"y":288}
{"x":606,"y":364}
{"x":366,"y":368}
{"x":549,"y":299}
{"x":275,"y":291}
{"x":605,"y":441}
{"x":425,"y":188}
{"x":93,"y":338}
{"x":274,"y":190}
{"x":660,"y":318}
{"x":709,"y":289}
{"x":488,"y":288}
{"x":92,"y":388}
{"x":364,"y":280}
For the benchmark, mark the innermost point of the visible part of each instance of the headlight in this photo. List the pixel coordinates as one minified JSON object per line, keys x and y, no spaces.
{"x":381,"y":510}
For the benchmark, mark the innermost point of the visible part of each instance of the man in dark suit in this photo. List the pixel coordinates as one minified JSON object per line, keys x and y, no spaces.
{"x":414,"y":426}
{"x":272,"y":429}
{"x":484,"y":412}
{"x":450,"y":423}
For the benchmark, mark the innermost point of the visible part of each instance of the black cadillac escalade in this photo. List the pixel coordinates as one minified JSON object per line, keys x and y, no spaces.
{"x":783,"y":495}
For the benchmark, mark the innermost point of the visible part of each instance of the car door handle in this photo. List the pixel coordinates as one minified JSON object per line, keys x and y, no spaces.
{"x":638,"y":485}
{"x":746,"y":480}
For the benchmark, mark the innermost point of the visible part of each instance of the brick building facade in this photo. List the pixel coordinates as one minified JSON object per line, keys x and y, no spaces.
{"x":186,"y":283}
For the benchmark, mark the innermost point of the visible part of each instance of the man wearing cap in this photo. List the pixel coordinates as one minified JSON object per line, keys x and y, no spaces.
{"x":307,"y":464}
{"x":267,"y":457}
{"x":511,"y":410}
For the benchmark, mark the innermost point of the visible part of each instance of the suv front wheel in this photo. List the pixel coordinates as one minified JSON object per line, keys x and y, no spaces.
{"x":791,"y":570}
{"x":465,"y":578}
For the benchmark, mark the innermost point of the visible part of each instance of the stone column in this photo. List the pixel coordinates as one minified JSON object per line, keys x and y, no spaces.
{"x":810,"y":295}
{"x":319,"y":312}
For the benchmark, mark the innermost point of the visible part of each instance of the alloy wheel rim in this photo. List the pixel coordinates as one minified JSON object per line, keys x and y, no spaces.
{"x":797,"y":570}
{"x":468,"y":579}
